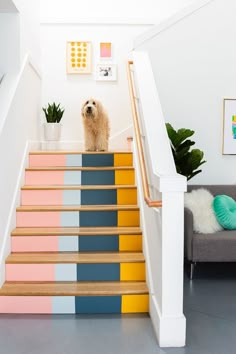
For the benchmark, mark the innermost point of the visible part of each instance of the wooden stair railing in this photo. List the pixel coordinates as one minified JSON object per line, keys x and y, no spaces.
{"x":151,"y":203}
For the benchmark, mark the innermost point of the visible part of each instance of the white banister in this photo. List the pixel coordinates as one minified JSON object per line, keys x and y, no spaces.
{"x":9,"y":87}
{"x":20,"y":97}
{"x":162,"y":227}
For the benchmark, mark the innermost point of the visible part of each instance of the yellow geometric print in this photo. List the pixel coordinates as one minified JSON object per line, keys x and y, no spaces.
{"x":75,"y":52}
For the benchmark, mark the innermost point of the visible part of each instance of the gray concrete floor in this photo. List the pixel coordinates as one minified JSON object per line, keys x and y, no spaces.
{"x":209,"y":306}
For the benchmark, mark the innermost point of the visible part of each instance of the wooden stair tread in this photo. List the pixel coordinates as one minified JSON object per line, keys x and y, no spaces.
{"x":75,"y":257}
{"x":77,"y":187}
{"x":79,"y":168}
{"x":67,"y":152}
{"x":110,"y":207}
{"x":75,"y":231}
{"x":72,"y":288}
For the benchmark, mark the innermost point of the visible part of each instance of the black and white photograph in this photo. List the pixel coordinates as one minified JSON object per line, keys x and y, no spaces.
{"x":106,"y":72}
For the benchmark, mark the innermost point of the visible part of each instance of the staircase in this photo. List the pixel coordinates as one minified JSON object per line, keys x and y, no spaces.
{"x":77,"y":246}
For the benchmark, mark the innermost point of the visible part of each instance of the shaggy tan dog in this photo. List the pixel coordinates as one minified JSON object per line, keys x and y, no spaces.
{"x":96,"y":126}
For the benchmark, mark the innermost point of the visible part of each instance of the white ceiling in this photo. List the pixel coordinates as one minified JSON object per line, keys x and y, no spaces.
{"x":7,"y":6}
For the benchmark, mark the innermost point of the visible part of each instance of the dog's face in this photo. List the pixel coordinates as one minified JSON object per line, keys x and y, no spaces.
{"x":90,"y":109}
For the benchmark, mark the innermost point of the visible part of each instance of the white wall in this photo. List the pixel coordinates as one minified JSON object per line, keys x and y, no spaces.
{"x":19,"y":33}
{"x":72,"y":90}
{"x":194,"y":67}
{"x":7,"y":6}
{"x":9,"y":42}
{"x":110,"y":10}
{"x":100,"y":21}
{"x":29,"y":13}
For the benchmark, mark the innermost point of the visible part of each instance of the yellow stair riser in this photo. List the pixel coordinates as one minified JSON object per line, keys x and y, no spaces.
{"x":127,"y":196}
{"x":123,"y":160}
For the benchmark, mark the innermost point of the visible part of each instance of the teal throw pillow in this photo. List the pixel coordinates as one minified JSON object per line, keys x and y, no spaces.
{"x":225,"y":211}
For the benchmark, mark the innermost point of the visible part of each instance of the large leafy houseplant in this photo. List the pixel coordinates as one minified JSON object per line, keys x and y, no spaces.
{"x":187,"y":161}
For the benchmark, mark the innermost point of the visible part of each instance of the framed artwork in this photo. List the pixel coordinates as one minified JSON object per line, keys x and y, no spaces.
{"x":106,"y":72}
{"x":105,"y":50}
{"x":229,"y":126}
{"x":78,"y":57}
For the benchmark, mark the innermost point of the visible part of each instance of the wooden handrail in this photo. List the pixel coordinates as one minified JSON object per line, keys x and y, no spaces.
{"x":137,"y":131}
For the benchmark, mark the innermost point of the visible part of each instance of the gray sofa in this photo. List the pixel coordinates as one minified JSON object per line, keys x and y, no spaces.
{"x":216,"y":247}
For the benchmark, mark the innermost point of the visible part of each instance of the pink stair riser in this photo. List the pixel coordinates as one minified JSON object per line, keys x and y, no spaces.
{"x":34,"y":244}
{"x":41,"y":197}
{"x":38,"y":219}
{"x":33,"y":178}
{"x":47,"y":160}
{"x":26,"y":304}
{"x":30,"y":272}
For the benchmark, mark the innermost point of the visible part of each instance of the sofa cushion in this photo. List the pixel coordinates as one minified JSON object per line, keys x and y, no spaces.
{"x":225,"y":211}
{"x":220,"y":247}
{"x":199,"y":201}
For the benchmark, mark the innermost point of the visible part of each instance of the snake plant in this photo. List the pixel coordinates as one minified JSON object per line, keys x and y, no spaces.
{"x":53,"y":113}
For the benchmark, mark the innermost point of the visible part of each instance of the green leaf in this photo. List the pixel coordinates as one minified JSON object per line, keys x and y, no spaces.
{"x":196,"y":157}
{"x":183,"y":148}
{"x":53,"y":113}
{"x":187,"y":161}
{"x":171,"y":133}
{"x":181,"y":136}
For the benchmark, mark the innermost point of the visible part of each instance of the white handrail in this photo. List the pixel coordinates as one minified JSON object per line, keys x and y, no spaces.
{"x":9,"y":86}
{"x":162,"y":227}
{"x":153,"y":125}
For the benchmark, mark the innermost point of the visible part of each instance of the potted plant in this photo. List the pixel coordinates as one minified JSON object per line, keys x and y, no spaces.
{"x":187,"y":161}
{"x":52,"y":129}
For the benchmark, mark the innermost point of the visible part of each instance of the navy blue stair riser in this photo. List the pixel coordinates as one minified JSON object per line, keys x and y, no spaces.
{"x":97,"y":304}
{"x":98,"y":243}
{"x":97,"y":177}
{"x":98,"y":218}
{"x":97,"y":160}
{"x":97,"y":196}
{"x":98,"y":272}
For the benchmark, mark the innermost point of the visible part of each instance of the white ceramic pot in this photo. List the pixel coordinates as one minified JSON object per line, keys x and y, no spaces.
{"x":52,"y":131}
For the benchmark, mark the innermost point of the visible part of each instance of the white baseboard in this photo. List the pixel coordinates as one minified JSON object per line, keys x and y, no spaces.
{"x":170,"y":331}
{"x":11,"y":223}
{"x":61,"y":145}
{"x":117,"y":141}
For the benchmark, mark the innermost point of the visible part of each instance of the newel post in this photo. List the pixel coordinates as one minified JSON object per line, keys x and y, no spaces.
{"x":171,"y":305}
